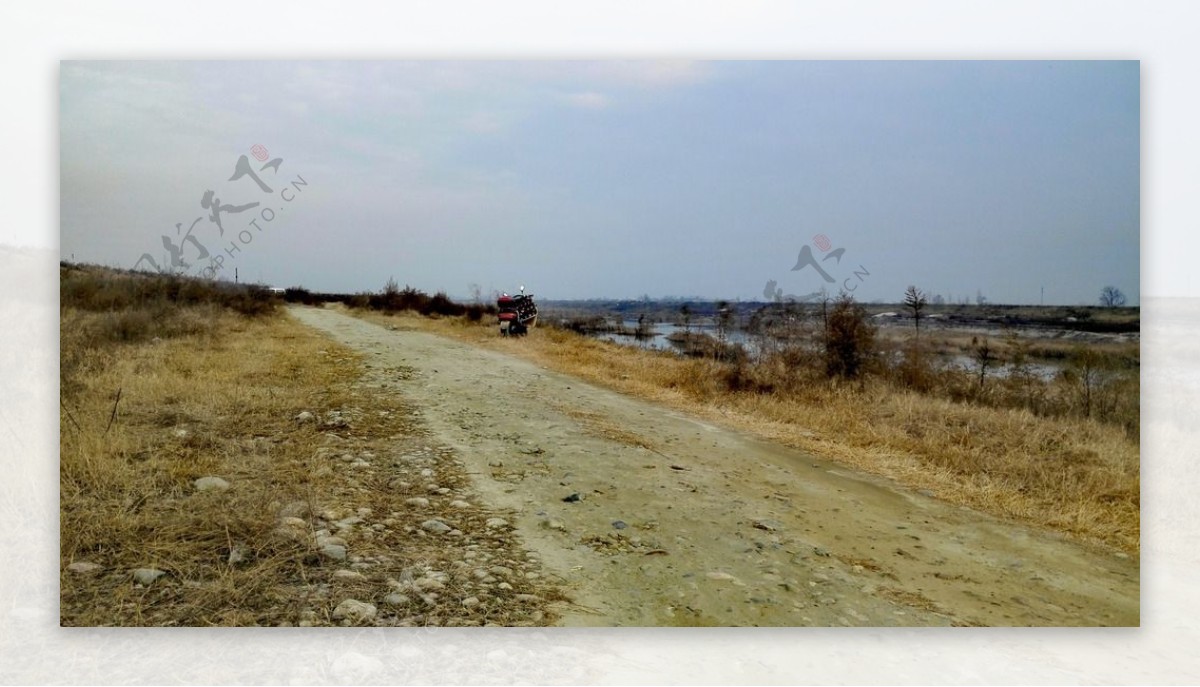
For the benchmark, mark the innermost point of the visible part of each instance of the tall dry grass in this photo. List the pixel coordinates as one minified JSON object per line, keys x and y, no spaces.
{"x":218,"y":400}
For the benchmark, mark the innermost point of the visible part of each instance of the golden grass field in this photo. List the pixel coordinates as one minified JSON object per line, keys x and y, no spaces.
{"x":215,"y":402}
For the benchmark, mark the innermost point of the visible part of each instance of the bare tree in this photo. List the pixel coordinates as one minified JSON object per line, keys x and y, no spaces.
{"x":914,"y":300}
{"x":1111,"y":297}
{"x":1089,"y":371}
{"x":645,"y":330}
{"x":984,"y":357}
{"x":724,"y":323}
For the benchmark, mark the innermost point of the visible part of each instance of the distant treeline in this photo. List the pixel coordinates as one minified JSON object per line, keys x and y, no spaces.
{"x":1080,"y":318}
{"x":393,"y":299}
{"x":103,"y":289}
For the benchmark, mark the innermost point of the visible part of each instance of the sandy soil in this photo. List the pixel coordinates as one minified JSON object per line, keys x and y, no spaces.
{"x":651,"y":518}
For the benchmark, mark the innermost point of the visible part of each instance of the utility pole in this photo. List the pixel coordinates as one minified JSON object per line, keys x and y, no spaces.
{"x":1043,"y":298}
{"x":235,"y":277}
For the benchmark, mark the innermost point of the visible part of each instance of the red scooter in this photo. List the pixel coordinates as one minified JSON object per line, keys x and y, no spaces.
{"x":517,"y":313}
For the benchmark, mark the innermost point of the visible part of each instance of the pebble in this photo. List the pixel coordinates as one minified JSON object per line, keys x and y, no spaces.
{"x":334,"y":419}
{"x":295,"y":510}
{"x":572,"y":498}
{"x":436,"y":526}
{"x":768,"y":525}
{"x":396,"y":600}
{"x":418,"y":502}
{"x":459,"y":504}
{"x":210,"y":484}
{"x":470,"y":602}
{"x":84,"y":567}
{"x":527,"y":597}
{"x":291,"y":533}
{"x":334,"y":551}
{"x":147,"y":575}
{"x":305,"y":416}
{"x":326,"y":540}
{"x":429,"y":583}
{"x":348,"y":575}
{"x":354,"y":611}
{"x":619,"y":524}
{"x":496,"y":523}
{"x":716,"y":575}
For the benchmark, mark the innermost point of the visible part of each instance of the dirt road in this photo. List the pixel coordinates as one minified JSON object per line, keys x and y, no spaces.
{"x":651,"y":518}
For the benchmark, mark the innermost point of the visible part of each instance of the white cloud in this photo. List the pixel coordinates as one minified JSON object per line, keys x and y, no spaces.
{"x":484,"y":123}
{"x":588,"y":100}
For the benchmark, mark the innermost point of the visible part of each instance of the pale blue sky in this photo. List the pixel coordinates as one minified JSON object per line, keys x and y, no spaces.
{"x":617,"y":179}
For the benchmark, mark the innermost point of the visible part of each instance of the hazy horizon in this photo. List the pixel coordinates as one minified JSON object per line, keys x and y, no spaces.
{"x":614,"y":179}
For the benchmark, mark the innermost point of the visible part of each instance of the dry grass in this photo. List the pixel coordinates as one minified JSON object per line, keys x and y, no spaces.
{"x":218,"y":395}
{"x":218,"y":402}
{"x":600,"y":426}
{"x":1072,"y":475}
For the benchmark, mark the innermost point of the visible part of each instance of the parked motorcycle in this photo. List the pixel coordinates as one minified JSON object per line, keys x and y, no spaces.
{"x":517,"y":313}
